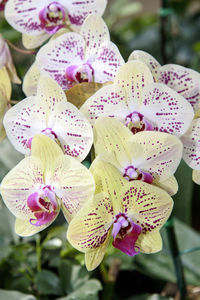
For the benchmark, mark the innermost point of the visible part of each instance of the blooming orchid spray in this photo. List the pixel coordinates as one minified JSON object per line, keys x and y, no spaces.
{"x":38,"y":20}
{"x":42,"y":184}
{"x":131,"y":212}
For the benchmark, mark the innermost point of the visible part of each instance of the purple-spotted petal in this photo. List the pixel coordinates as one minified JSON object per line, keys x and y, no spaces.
{"x":73,"y":185}
{"x":166,"y":109}
{"x":54,"y":58}
{"x":79,"y":10}
{"x":109,"y":101}
{"x":132,"y":77}
{"x":90,"y":227}
{"x":24,"y":15}
{"x":162,"y":153}
{"x":148,"y":59}
{"x":191,"y":145}
{"x":23,"y":121}
{"x":72,"y":129}
{"x":107,"y":62}
{"x":94,"y":32}
{"x":183,"y":80}
{"x":22,"y":181}
{"x":147,"y":205}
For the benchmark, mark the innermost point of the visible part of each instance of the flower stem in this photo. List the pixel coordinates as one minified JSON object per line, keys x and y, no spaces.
{"x":38,"y":252}
{"x":176,"y":258}
{"x":163,"y":38}
{"x":23,"y":51}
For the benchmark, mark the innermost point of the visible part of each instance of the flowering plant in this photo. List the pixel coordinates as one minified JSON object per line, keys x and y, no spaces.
{"x":101,"y":139}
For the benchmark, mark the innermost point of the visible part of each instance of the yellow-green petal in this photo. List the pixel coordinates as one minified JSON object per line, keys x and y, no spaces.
{"x":34,"y":41}
{"x":73,"y":184}
{"x":30,"y":81}
{"x":94,"y":257}
{"x":132,"y":77}
{"x":89,"y":228}
{"x":111,"y":135}
{"x":196,"y":176}
{"x":5,"y":82}
{"x":109,"y":180}
{"x":147,"y":205}
{"x":47,"y":151}
{"x":170,"y":185}
{"x":23,"y":180}
{"x":150,"y":242}
{"x":25,"y":228}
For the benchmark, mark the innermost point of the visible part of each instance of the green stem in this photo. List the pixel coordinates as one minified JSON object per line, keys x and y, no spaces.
{"x":176,"y":258}
{"x":38,"y":252}
{"x":109,"y":277}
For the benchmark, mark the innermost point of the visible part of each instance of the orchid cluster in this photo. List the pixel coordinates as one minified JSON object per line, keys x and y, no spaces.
{"x":141,"y":121}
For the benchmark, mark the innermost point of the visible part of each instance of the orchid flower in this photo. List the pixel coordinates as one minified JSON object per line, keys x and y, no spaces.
{"x":131,"y":212}
{"x":183,"y":80}
{"x":38,"y":20}
{"x":186,"y":82}
{"x":86,"y":57}
{"x":42,"y":184}
{"x":49,"y":113}
{"x":7,"y":62}
{"x":152,"y":157}
{"x":139,"y":103}
{"x":5,"y":94}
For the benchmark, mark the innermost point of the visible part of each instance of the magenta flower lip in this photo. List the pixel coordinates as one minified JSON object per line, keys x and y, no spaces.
{"x":53,"y":17}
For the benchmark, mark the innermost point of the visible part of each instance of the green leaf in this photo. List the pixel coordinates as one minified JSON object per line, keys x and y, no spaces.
{"x":14,"y":295}
{"x":72,"y":276}
{"x":9,"y":157}
{"x":7,"y":225}
{"x":183,"y":199}
{"x":160,"y":265}
{"x":88,"y":291}
{"x":48,"y":283}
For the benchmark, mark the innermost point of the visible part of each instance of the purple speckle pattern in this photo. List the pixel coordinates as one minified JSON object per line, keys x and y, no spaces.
{"x":20,"y":123}
{"x":163,"y":109}
{"x":95,"y":224}
{"x":151,"y":211}
{"x":109,"y":102}
{"x":25,"y":178}
{"x":183,"y":80}
{"x":23,"y":15}
{"x":49,"y":113}
{"x":55,"y":57}
{"x":168,"y":111}
{"x":27,"y":16}
{"x":58,"y":56}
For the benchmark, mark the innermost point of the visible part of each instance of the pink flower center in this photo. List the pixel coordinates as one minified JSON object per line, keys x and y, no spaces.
{"x":131,"y":173}
{"x":2,"y":4}
{"x":125,"y":234}
{"x":44,"y":206}
{"x":78,"y":74}
{"x":53,"y":17}
{"x":137,"y":122}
